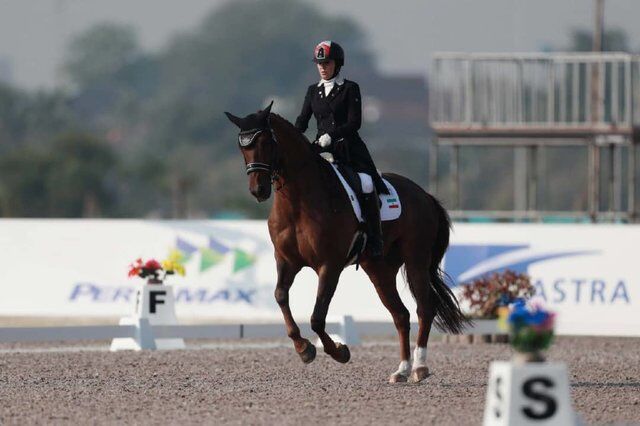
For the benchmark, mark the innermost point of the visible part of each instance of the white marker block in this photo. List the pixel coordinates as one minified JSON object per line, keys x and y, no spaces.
{"x":528,"y":394}
{"x":348,"y":334}
{"x":155,"y":303}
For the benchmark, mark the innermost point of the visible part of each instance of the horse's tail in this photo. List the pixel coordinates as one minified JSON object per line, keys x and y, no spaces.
{"x":449,"y":317}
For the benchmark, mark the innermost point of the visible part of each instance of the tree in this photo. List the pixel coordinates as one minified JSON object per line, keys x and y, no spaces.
{"x":27,"y":117}
{"x":164,"y":111}
{"x":241,"y":54}
{"x":239,"y":57}
{"x":614,"y":40}
{"x":111,"y":74}
{"x":81,"y":177}
{"x":100,"y":53}
{"x":13,"y":103}
{"x":23,"y":177}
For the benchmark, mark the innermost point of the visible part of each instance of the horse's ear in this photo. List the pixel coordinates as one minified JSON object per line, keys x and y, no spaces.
{"x":263,"y":115}
{"x":235,"y":120}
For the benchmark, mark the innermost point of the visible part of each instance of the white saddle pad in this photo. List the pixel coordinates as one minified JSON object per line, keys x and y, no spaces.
{"x":391,"y":207}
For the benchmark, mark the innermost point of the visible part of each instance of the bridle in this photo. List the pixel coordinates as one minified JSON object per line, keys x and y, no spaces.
{"x":246,"y":138}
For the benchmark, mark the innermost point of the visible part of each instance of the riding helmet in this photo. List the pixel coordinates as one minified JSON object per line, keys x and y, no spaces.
{"x":328,"y":50}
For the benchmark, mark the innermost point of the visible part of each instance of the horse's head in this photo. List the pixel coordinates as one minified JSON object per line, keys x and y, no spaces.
{"x":258,"y":146}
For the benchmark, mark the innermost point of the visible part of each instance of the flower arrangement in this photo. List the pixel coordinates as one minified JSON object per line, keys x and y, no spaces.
{"x":486,"y":294}
{"x":156,"y":272}
{"x":530,"y":327}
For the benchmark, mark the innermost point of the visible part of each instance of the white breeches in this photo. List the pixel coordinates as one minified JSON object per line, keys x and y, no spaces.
{"x":366,"y":182}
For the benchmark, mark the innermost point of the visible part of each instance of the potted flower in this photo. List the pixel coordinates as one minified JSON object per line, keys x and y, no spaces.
{"x":530,"y":328}
{"x":148,"y":299}
{"x":155,"y":272}
{"x":485,"y":295}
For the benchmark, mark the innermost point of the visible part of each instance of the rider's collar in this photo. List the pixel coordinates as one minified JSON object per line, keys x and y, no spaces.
{"x":337,"y":80}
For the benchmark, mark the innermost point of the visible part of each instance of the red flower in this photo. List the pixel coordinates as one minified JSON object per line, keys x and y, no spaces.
{"x":135,"y":268}
{"x":153,"y":265}
{"x":149,"y":269}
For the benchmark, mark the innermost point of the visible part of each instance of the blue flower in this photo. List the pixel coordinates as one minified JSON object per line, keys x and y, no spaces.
{"x":518,"y":316}
{"x":538,"y":317}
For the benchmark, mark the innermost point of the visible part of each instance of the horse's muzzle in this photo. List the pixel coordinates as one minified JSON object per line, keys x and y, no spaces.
{"x":261,"y":192}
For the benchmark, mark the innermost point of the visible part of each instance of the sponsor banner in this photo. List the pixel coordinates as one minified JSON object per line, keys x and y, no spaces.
{"x":79,"y":268}
{"x":586,"y":273}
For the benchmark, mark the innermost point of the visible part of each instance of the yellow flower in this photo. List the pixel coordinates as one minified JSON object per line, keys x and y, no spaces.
{"x":180,"y":270}
{"x":172,"y":266}
{"x":176,"y":256}
{"x":174,"y":262}
{"x":503,"y":314}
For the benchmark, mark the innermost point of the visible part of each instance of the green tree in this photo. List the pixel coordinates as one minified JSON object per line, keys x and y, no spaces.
{"x":13,"y":103}
{"x":27,"y":117}
{"x":100,"y":53}
{"x":164,"y":112}
{"x":81,"y":180}
{"x":23,"y":188}
{"x":614,"y":40}
{"x":240,"y":56}
{"x":112,"y":75}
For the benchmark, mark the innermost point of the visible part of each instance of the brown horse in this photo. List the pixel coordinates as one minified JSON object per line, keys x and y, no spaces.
{"x":308,"y":227}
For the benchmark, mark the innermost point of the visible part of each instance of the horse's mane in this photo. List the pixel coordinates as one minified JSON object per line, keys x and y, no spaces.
{"x":290,"y":128}
{"x":329,"y":179}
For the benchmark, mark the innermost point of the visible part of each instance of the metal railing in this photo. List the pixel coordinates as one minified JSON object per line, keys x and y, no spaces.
{"x":527,"y":101}
{"x":557,"y":90}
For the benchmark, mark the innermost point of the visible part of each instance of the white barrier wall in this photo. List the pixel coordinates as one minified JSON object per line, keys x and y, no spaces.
{"x":587,"y":273}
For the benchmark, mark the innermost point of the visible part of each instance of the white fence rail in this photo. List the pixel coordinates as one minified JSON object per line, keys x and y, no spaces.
{"x":346,"y":328}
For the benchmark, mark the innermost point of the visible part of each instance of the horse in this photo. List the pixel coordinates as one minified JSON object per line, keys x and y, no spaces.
{"x":312,"y":226}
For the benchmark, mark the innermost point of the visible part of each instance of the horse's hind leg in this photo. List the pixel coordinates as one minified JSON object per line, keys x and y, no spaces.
{"x":418,"y":277}
{"x":286,"y":275}
{"x":383,"y":276}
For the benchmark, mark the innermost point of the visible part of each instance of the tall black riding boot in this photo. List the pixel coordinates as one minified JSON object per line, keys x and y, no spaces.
{"x":371,"y":213}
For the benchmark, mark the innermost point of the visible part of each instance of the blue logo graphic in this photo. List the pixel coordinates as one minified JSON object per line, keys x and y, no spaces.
{"x":465,"y":262}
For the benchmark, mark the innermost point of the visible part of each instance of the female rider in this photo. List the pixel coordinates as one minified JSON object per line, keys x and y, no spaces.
{"x":337,"y":107}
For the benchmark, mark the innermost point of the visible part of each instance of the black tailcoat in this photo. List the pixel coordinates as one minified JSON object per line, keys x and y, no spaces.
{"x":340,"y":115}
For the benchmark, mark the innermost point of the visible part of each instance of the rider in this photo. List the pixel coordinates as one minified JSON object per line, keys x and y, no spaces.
{"x":336,"y":104}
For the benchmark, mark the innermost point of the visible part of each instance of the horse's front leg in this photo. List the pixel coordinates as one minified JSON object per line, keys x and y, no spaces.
{"x":328,"y":281}
{"x":286,"y":275}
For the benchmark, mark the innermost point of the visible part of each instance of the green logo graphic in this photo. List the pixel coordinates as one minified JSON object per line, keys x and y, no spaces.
{"x":215,"y":253}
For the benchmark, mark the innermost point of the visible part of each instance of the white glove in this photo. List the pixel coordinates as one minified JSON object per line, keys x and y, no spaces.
{"x":324,"y":140}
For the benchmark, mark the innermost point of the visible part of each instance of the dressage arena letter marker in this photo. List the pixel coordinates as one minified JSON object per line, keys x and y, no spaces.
{"x":155,"y":303}
{"x":155,"y":300}
{"x":528,"y":394}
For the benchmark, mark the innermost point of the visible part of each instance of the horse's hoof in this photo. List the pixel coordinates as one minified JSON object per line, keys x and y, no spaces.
{"x":342,"y":353}
{"x":308,"y":354}
{"x":419,"y":374}
{"x":397,"y":378}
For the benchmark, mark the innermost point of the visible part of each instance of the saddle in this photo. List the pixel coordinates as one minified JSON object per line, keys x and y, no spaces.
{"x":390,"y":208}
